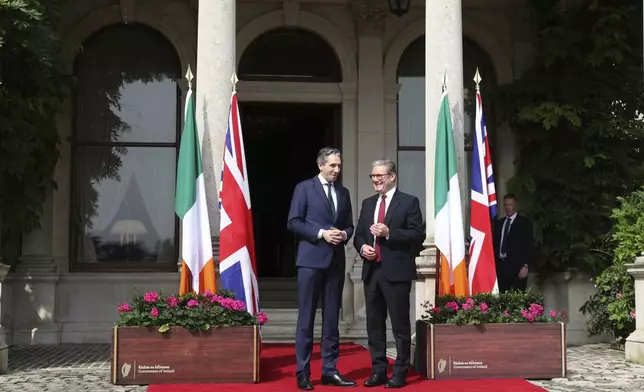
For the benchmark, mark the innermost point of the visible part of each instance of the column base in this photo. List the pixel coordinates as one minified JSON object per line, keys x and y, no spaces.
{"x":40,"y":333}
{"x":634,"y":348}
{"x":4,"y":358}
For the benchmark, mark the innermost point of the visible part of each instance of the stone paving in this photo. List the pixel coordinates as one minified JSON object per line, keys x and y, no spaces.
{"x":597,"y":368}
{"x":71,"y":368}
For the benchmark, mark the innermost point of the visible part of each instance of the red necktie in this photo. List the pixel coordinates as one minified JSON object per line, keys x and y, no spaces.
{"x":381,"y":219}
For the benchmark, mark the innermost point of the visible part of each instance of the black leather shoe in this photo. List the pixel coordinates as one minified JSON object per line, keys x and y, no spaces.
{"x":303,"y":382}
{"x":338,"y":381}
{"x":396,"y":382}
{"x":375,"y":380}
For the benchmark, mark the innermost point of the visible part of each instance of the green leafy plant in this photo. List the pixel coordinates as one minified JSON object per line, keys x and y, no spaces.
{"x":507,"y":307}
{"x":576,"y":114}
{"x":611,"y":308}
{"x":192,"y":311}
{"x":32,"y":89}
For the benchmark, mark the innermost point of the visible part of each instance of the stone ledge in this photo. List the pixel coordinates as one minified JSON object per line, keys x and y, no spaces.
{"x":4,"y":359}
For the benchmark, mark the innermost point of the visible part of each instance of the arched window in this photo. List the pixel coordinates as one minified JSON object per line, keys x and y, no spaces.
{"x":288,"y":54}
{"x":411,"y":111}
{"x":126,"y":127}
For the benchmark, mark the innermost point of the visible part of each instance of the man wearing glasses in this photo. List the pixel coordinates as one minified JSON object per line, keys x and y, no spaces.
{"x":388,"y":231}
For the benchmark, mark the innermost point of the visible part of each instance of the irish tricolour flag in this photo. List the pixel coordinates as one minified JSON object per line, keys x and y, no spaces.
{"x":198,"y":266}
{"x":450,"y":238}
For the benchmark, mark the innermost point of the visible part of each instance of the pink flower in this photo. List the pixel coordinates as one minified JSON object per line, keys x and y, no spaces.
{"x":172,"y":301}
{"x":536,"y":309}
{"x":483,"y":307}
{"x":233,"y":304}
{"x":527,"y":315}
{"x":436,"y":309}
{"x":452,"y":305}
{"x":150,"y":297}
{"x":632,"y":314}
{"x":216,"y":299}
{"x":470,"y":301}
{"x":192,"y":303}
{"x":208,"y":293}
{"x":553,"y":314}
{"x":467,"y":305}
{"x":505,"y":313}
{"x":123,"y":308}
{"x":154,"y":312}
{"x":262,"y":318}
{"x":619,"y":295}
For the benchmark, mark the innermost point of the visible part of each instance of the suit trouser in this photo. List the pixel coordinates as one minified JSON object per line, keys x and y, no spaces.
{"x":382,"y":295}
{"x":508,"y":279}
{"x":311,"y":283}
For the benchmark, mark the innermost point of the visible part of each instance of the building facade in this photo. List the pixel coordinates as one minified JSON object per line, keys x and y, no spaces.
{"x":344,"y":73}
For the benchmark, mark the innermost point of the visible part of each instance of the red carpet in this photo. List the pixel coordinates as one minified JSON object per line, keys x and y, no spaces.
{"x":278,"y":374}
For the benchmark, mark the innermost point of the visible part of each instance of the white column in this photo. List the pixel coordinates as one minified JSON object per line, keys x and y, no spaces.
{"x":350,"y":179}
{"x":443,"y":53}
{"x":634,"y":347}
{"x":215,"y":64}
{"x":370,"y":16}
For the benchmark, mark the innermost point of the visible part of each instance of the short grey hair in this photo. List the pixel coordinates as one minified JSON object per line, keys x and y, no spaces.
{"x":388,"y":163}
{"x":325,"y":153}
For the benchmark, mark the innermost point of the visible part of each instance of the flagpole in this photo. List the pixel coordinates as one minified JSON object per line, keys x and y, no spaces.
{"x":189,"y":76}
{"x":438,"y":253}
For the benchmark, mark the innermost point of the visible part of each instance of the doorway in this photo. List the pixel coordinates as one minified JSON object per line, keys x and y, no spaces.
{"x":281,"y":142}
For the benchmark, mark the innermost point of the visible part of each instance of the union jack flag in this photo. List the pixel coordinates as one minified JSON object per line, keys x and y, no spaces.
{"x":237,"y":243}
{"x":482,"y":267}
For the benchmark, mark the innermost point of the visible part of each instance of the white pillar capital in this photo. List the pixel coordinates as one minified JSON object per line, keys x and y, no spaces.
{"x":634,"y":347}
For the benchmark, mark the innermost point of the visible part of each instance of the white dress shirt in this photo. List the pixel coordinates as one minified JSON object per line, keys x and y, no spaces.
{"x":390,"y":195}
{"x":505,"y":222}
{"x":334,"y":196}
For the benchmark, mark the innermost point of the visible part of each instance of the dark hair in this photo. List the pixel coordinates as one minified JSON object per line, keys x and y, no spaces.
{"x":325,"y":153}
{"x":510,"y":196}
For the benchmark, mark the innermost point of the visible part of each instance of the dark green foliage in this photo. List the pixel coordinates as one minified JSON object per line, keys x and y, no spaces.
{"x":507,"y":307}
{"x":194,"y":312}
{"x":612,"y":307}
{"x":575,"y":116}
{"x":32,"y":89}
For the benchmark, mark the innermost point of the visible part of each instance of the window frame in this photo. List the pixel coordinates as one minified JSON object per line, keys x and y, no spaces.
{"x":75,"y":262}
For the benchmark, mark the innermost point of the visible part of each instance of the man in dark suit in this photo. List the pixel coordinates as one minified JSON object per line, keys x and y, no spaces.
{"x":513,"y":247}
{"x":320,"y":215}
{"x":387,"y":234}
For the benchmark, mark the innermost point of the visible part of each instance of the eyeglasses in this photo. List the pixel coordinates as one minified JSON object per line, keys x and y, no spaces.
{"x":378,"y":176}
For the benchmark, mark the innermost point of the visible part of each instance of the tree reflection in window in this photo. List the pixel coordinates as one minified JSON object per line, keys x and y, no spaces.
{"x":125,"y":149}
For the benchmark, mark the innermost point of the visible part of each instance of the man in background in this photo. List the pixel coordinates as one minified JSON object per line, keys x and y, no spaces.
{"x":320,"y":216}
{"x":513,"y":247}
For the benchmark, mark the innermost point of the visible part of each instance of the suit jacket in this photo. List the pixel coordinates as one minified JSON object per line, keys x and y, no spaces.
{"x":520,"y":245}
{"x":309,"y":213}
{"x":404,"y":219}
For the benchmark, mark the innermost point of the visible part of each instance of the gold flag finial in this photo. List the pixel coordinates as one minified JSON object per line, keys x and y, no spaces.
{"x":477,"y":79}
{"x":234,"y":80}
{"x":189,"y":76}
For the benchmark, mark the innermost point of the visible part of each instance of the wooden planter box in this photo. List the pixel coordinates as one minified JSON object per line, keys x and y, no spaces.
{"x":220,"y":355}
{"x":530,"y":351}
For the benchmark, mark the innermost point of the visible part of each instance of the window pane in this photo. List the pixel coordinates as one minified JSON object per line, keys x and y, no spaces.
{"x":411,"y":111}
{"x":124,"y":204}
{"x":411,"y":175}
{"x":127,"y":90}
{"x":288,"y":54}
